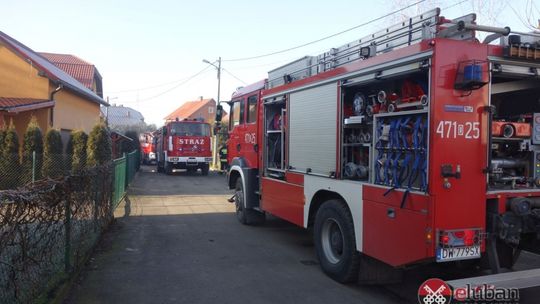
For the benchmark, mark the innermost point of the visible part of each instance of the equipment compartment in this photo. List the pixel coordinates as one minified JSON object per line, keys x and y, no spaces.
{"x":514,"y":156}
{"x":384,"y":136}
{"x":275,"y":140}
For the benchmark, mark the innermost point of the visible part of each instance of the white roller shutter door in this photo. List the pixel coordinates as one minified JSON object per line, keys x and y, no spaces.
{"x":312,"y":129}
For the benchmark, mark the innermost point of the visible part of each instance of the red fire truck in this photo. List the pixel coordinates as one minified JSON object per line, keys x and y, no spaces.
{"x":414,"y":145}
{"x":184,"y":144}
{"x":148,"y":148}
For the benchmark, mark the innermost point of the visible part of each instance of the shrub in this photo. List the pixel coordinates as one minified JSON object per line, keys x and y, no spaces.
{"x":76,"y":150}
{"x":52,"y":155}
{"x":2,"y":136}
{"x":9,"y":160}
{"x":32,"y":142}
{"x":99,"y":146}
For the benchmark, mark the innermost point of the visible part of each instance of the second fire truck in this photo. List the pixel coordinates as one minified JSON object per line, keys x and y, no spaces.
{"x":414,"y":145}
{"x":183,"y":144}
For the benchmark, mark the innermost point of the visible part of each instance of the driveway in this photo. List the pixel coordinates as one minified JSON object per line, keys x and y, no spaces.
{"x":176,"y":240}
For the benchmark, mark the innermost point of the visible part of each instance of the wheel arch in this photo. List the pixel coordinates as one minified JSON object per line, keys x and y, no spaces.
{"x":236,"y":170}
{"x":234,"y":175}
{"x":250,"y":182}
{"x":317,"y":190}
{"x":318,"y":199}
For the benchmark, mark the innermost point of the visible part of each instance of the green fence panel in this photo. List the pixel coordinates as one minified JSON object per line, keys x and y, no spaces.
{"x":131,"y":166}
{"x":119,"y":179}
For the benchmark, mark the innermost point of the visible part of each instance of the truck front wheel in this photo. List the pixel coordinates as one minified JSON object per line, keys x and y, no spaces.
{"x":245,"y":216}
{"x":168,"y":168}
{"x":205,"y":168}
{"x":335,"y":242}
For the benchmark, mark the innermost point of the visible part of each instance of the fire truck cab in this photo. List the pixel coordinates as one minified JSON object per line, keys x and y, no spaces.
{"x":414,"y":145}
{"x":184,"y":144}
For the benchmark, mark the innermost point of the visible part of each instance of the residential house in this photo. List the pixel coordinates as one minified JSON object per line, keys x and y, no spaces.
{"x":204,"y":109}
{"x":30,"y":85}
{"x":122,"y":118}
{"x":82,"y":70}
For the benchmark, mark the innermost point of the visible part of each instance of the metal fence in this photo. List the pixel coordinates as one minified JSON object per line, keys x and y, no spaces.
{"x":132,"y":166}
{"x":50,"y":223}
{"x":47,"y":229}
{"x":17,"y":171}
{"x":120,"y":180}
{"x":125,"y":169}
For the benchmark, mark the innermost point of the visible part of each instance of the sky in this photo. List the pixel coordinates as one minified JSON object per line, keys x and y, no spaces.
{"x":150,"y":53}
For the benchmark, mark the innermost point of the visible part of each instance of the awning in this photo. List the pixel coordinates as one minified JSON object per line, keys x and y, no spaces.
{"x":16,"y":105}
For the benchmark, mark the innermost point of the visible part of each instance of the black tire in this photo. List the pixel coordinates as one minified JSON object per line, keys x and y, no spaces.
{"x":245,"y":216}
{"x":334,"y":240}
{"x":168,"y":168}
{"x":205,"y":169}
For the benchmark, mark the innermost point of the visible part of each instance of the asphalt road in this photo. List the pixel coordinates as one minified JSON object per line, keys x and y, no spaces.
{"x":176,"y":240}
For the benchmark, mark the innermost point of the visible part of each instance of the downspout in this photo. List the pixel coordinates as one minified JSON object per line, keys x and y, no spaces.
{"x":51,"y":98}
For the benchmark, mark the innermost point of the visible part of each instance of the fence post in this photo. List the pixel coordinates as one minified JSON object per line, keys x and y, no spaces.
{"x":67,"y":227}
{"x":113,"y":189}
{"x":33,"y":166}
{"x":126,"y":182}
{"x":95,"y":186}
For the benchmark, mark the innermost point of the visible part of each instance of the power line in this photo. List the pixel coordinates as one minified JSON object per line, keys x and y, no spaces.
{"x":327,"y":37}
{"x":150,"y":87}
{"x":223,"y":69}
{"x":176,"y":86}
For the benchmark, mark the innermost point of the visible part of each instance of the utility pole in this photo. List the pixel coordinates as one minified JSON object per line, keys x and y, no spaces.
{"x":218,"y":67}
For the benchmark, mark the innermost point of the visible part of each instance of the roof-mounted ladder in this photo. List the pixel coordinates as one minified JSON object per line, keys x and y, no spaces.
{"x":415,"y":29}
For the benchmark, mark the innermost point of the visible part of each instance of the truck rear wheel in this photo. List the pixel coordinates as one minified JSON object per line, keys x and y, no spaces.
{"x":335,"y":242}
{"x":244,"y":215}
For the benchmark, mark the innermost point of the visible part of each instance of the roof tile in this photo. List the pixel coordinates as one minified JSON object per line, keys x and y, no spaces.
{"x":79,"y":69}
{"x":8,"y":102}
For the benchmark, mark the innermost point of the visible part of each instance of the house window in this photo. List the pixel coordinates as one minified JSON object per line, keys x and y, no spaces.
{"x":210,"y":110}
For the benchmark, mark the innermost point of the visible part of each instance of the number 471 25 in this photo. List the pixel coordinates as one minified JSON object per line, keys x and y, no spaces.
{"x":453,"y":129}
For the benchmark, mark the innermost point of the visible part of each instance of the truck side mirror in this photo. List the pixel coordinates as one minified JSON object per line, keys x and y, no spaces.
{"x":164,"y":131}
{"x":219,"y":112}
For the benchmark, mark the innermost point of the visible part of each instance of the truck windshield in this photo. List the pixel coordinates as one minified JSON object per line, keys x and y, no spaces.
{"x":189,"y":129}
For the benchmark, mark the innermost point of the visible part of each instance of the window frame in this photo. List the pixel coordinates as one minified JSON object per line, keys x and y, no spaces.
{"x":232,"y":116}
{"x":250,"y":99}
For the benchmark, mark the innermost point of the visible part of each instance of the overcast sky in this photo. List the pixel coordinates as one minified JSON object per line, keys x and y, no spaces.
{"x":145,"y":50}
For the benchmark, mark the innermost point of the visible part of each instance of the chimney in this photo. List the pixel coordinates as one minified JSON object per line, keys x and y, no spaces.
{"x":201,"y":98}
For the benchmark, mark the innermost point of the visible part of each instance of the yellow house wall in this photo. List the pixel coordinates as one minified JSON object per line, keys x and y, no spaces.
{"x":19,"y":78}
{"x":72,"y":112}
{"x":22,"y":119}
